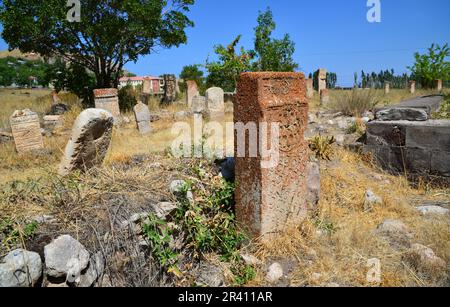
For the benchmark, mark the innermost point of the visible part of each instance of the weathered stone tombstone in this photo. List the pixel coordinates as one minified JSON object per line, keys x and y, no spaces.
{"x":309,"y":88}
{"x":324,"y":96}
{"x":26,"y":131}
{"x":147,"y":86}
{"x":108,"y":99}
{"x":199,"y":104}
{"x":412,"y":87}
{"x":439,"y":85}
{"x":215,"y":101}
{"x":321,"y":79}
{"x":272,"y":199}
{"x":89,"y":143}
{"x":53,"y":123}
{"x":170,"y":84}
{"x":191,"y":92}
{"x":387,"y":87}
{"x":143,"y":118}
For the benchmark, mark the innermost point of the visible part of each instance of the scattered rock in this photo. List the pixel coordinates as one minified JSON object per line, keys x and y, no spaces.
{"x":164,"y":209}
{"x":432,"y":210}
{"x":176,"y":188}
{"x":181,"y":115}
{"x":94,"y":272}
{"x":313,"y":184}
{"x":62,"y":285}
{"x":424,"y":259}
{"x":274,"y":273}
{"x":396,"y":232}
{"x":371,"y":200}
{"x":251,"y":260}
{"x":312,"y":118}
{"x":20,"y":268}
{"x":209,"y":275}
{"x":332,"y":285}
{"x":66,"y":257}
{"x":44,"y":219}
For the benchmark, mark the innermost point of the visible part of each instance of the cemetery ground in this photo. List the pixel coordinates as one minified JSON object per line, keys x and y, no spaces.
{"x":332,"y":247}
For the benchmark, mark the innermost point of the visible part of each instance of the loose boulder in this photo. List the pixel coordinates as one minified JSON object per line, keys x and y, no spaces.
{"x":89,"y":143}
{"x":20,"y":268}
{"x":66,"y":257}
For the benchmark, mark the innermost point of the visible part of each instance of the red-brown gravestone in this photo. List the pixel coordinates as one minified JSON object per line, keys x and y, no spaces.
{"x":108,"y":99}
{"x":191,"y":92}
{"x":270,"y":200}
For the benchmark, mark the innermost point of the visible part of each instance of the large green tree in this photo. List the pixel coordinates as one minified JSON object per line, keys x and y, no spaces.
{"x":110,"y":33}
{"x":226,"y":70}
{"x":432,"y":66}
{"x":272,"y":54}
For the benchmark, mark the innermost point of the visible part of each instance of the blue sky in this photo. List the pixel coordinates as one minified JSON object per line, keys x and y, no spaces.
{"x":333,"y":34}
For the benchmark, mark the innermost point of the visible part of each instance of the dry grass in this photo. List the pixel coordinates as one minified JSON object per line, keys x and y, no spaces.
{"x":395,"y":96}
{"x":340,"y":240}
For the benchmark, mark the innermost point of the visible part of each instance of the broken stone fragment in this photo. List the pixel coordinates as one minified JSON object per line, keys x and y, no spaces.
{"x":371,"y":200}
{"x":423,"y":259}
{"x":274,"y":273}
{"x":432,"y":210}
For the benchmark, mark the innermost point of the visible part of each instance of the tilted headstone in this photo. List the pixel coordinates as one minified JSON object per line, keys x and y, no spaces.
{"x":439,"y":85}
{"x":191,"y":92}
{"x":309,"y":88}
{"x":26,"y":131}
{"x":387,"y":87}
{"x":412,"y":87}
{"x":199,"y":104}
{"x":108,"y":99}
{"x":324,"y":96}
{"x":321,"y":79}
{"x":272,"y":199}
{"x":143,"y":118}
{"x":89,"y":143}
{"x":215,"y":101}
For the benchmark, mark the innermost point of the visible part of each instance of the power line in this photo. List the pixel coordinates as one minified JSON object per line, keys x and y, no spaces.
{"x":363,"y":52}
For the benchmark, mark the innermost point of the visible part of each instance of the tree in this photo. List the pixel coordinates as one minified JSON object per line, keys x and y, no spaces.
{"x":72,"y":77}
{"x":432,"y":66}
{"x":111,"y":32}
{"x":272,"y":54}
{"x":225,"y":72}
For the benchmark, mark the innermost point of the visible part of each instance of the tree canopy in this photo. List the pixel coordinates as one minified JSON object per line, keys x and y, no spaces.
{"x":110,"y":33}
{"x":432,"y":66}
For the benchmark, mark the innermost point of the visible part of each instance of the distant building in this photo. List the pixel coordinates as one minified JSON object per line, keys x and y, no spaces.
{"x":155,"y":85}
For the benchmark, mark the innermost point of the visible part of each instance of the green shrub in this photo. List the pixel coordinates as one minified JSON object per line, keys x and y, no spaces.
{"x":322,"y":146}
{"x":128,"y":98}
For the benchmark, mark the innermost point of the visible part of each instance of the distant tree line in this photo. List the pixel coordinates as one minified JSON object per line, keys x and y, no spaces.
{"x":23,"y":73}
{"x":377,"y":80}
